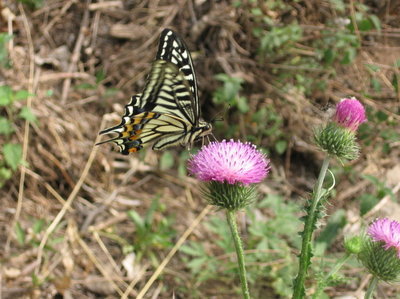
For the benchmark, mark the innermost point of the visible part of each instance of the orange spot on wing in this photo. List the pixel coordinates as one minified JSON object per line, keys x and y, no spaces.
{"x":136,"y":136}
{"x":137,"y":121}
{"x":133,"y":150}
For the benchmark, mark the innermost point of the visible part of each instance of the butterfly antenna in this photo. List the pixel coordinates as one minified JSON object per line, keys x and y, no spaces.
{"x":215,"y":139}
{"x":220,"y":115}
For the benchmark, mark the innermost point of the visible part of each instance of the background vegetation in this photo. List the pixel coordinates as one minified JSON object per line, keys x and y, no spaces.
{"x":81,"y":221}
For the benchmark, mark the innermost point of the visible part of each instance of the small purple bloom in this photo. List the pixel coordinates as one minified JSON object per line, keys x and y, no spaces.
{"x":350,"y":113}
{"x":231,"y":162}
{"x":386,"y":231}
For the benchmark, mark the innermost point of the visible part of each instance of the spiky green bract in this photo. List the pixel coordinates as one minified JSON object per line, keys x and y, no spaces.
{"x":229,"y":196}
{"x":380,"y":262}
{"x":353,"y":245}
{"x":337,"y":141}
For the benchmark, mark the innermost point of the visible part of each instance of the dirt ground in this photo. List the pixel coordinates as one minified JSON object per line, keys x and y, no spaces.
{"x":82,"y":60}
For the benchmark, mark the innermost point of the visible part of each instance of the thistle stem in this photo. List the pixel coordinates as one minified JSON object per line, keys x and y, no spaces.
{"x":230,"y":216}
{"x":371,"y":287}
{"x":304,"y":258}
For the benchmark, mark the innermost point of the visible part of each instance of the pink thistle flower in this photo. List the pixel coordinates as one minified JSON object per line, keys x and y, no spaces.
{"x":350,"y":113}
{"x":386,"y":231}
{"x":231,"y":162}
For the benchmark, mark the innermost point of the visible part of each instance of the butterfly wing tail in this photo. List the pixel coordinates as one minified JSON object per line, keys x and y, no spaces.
{"x":130,"y":132}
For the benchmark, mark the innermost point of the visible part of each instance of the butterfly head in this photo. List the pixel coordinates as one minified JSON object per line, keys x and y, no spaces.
{"x":205,"y":128}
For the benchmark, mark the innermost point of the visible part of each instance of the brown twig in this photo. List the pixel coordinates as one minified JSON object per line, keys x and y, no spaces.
{"x":76,"y":53}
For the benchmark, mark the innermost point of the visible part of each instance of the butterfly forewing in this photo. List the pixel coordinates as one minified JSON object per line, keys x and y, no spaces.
{"x":173,"y":49}
{"x":167,"y":91}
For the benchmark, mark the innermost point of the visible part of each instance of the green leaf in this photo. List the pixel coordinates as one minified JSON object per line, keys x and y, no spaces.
{"x":6,"y":127}
{"x":376,"y":22}
{"x":280,"y":146}
{"x":381,"y":116}
{"x":27,"y":114}
{"x":100,"y":76}
{"x":5,"y":95}
{"x":34,"y":4}
{"x":194,"y":249}
{"x":395,"y":82}
{"x":228,"y":93}
{"x":166,"y":160}
{"x":38,"y":226}
{"x":256,"y":11}
{"x":374,"y":180}
{"x":329,"y":56}
{"x":4,"y":38}
{"x":367,"y":202}
{"x":22,"y":95}
{"x":338,"y":5}
{"x":85,"y":86}
{"x":136,"y":218}
{"x":349,"y":55}
{"x":386,"y":148}
{"x":372,"y":67}
{"x":55,"y":241}
{"x":365,"y":25}
{"x":242,"y":104}
{"x":12,"y":155}
{"x":5,"y":174}
{"x":197,"y":263}
{"x":110,"y":92}
{"x":155,"y":205}
{"x":20,"y":234}
{"x":36,"y":281}
{"x":376,"y":85}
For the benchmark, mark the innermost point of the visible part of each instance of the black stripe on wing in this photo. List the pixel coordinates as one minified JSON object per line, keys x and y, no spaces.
{"x":173,"y":49}
{"x":167,"y":91}
{"x":130,"y":110}
{"x":148,"y":127}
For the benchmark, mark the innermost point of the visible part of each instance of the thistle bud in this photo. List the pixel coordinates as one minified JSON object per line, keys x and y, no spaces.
{"x":353,"y":245}
{"x":338,"y":138}
{"x":350,"y":114}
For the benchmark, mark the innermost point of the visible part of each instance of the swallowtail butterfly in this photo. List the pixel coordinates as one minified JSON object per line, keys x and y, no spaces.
{"x":167,"y":112}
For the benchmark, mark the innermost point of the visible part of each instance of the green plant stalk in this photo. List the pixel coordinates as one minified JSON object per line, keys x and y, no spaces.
{"x":371,"y":287}
{"x":307,"y":233}
{"x":230,"y":216}
{"x":338,"y":265}
{"x":335,"y":269}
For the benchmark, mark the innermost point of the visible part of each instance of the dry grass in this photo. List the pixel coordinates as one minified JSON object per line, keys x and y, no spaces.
{"x":83,"y":192}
